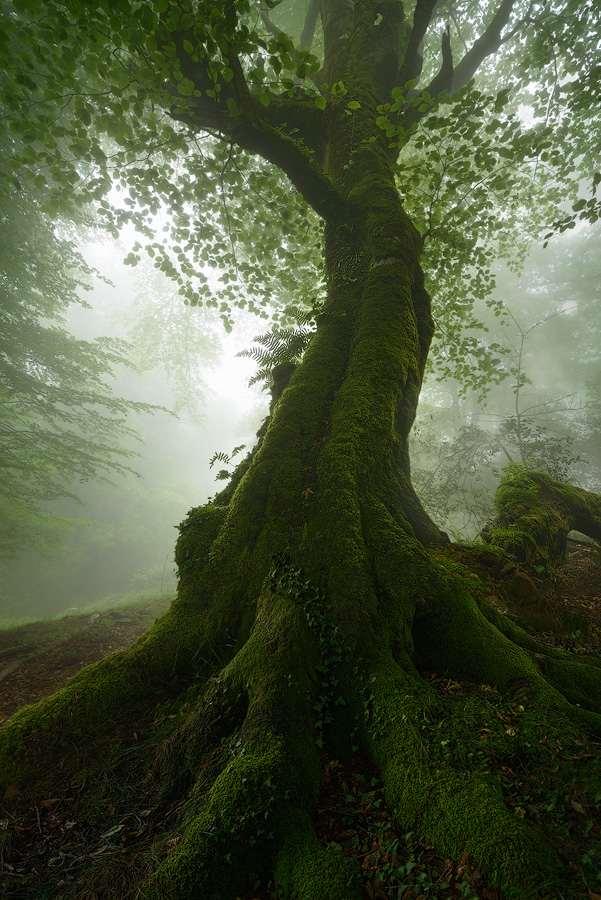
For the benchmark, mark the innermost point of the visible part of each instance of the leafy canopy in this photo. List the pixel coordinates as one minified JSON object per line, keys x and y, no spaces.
{"x":203,"y":125}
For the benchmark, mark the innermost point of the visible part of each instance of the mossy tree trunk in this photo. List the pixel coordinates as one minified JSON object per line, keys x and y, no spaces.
{"x":360,"y":597}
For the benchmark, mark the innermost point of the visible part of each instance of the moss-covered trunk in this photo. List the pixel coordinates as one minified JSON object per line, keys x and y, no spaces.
{"x":310,"y":596}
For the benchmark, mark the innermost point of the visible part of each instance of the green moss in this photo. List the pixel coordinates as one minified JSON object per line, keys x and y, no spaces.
{"x":237,"y":823}
{"x":535,"y":513}
{"x":306,"y":869}
{"x":100,"y":694}
{"x":456,"y":812}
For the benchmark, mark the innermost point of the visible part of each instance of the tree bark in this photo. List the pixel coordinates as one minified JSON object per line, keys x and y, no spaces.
{"x":327,"y":494}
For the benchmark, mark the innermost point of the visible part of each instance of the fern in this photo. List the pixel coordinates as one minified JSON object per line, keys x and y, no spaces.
{"x":224,"y":458}
{"x":282,"y":344}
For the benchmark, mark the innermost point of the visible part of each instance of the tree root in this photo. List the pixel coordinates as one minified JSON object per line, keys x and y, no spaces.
{"x":304,"y":868}
{"x":179,"y":644}
{"x":255,"y":815}
{"x":535,"y":513}
{"x":457,"y":813}
{"x":250,"y":812}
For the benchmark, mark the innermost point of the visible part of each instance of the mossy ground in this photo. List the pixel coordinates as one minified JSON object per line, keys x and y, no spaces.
{"x":93,"y":828}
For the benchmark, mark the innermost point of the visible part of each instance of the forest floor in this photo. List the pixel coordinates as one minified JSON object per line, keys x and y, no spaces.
{"x":93,"y":830}
{"x":39,"y":657}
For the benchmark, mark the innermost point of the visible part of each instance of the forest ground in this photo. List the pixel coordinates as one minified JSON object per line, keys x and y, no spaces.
{"x":93,"y":829}
{"x":39,"y":657}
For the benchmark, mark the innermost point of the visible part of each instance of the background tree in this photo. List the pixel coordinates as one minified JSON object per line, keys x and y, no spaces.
{"x":541,"y":413}
{"x":61,"y":425}
{"x":206,"y":102}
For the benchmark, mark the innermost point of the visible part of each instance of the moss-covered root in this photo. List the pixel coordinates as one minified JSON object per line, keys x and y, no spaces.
{"x":181,"y":641}
{"x":578,"y":678}
{"x":457,"y":813}
{"x":535,"y":513}
{"x":304,"y":868}
{"x":452,"y":636}
{"x":255,"y":816}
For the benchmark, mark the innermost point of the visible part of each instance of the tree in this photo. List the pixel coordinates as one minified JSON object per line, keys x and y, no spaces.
{"x":60,"y":422}
{"x":315,"y":587}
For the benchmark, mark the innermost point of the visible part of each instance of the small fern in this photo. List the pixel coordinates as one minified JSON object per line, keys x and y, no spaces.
{"x":282,"y":344}
{"x":226,"y":458}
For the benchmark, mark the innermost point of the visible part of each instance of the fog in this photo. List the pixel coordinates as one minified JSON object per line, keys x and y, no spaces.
{"x":121,"y":537}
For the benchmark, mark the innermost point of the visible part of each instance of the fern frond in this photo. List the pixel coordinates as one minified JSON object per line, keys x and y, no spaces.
{"x":220,"y":457}
{"x":278,"y":346}
{"x":261,"y":375}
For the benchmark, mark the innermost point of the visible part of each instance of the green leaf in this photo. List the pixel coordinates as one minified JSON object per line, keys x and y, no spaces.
{"x":186,"y":87}
{"x":320,"y":101}
{"x":232,"y":106}
{"x":354,"y":104}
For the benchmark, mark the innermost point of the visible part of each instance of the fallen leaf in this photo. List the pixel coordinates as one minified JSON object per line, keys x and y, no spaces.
{"x":577,"y":806}
{"x":11,"y":795}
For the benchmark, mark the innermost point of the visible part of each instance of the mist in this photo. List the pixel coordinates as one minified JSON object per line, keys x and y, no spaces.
{"x":119,"y":534}
{"x":119,"y":538}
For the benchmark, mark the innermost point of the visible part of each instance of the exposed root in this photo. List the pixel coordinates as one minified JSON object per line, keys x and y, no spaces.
{"x":181,"y":643}
{"x":262,"y":798}
{"x":535,"y":513}
{"x":304,"y":868}
{"x":458,"y":813}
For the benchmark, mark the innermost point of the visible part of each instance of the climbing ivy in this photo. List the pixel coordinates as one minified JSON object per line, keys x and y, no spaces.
{"x":290,"y":580}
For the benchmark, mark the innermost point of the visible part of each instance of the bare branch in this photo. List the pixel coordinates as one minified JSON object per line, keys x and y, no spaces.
{"x":241,"y":91}
{"x":310,"y":25}
{"x":444,"y":81}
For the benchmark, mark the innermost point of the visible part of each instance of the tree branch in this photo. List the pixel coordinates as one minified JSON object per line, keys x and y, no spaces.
{"x":310,"y":25}
{"x":444,"y":81}
{"x":259,"y":137}
{"x":282,"y":151}
{"x":488,"y":43}
{"x":411,"y":68}
{"x":441,"y":82}
{"x":241,"y":92}
{"x":451,"y":78}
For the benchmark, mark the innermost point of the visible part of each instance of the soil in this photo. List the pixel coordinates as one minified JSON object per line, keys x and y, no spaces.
{"x":38,"y":658}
